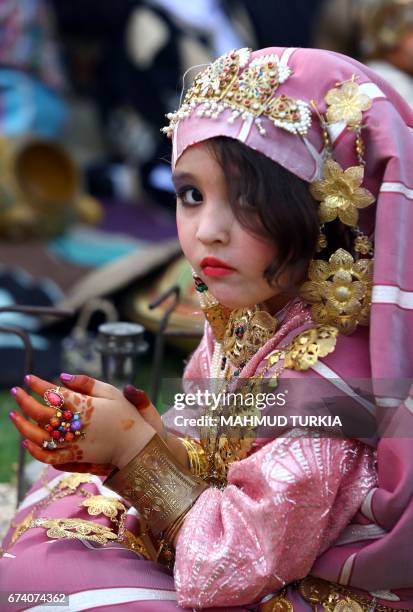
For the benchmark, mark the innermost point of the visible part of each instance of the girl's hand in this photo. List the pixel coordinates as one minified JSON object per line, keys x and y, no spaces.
{"x":141,"y":401}
{"x":115,"y":431}
{"x":146,"y":409}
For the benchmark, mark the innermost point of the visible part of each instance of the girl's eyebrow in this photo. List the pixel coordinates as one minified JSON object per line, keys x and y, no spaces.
{"x":182,"y":176}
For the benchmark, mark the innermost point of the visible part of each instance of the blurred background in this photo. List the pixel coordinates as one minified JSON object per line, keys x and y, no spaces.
{"x":86,"y":204}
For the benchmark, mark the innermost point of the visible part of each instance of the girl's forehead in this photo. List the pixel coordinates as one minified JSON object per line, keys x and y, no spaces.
{"x":197,"y":158}
{"x":201,"y":166}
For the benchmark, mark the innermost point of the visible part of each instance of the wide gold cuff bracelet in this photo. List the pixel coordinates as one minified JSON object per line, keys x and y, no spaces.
{"x":159,"y":487}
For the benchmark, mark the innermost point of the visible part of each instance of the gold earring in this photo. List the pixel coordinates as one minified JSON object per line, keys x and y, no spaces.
{"x":216,"y":314}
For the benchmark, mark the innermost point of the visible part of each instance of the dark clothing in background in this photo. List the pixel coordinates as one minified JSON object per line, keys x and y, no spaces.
{"x":283,"y":23}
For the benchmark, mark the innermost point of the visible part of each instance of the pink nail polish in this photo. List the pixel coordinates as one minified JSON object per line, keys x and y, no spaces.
{"x":12,"y":415}
{"x":25,"y":443}
{"x":14,"y":391}
{"x":28,"y":378}
{"x":66,"y":377}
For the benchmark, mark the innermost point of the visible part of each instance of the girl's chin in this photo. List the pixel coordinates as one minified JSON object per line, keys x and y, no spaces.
{"x":232,"y":302}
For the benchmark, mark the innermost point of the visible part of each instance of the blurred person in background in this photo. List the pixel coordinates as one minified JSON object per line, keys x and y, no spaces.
{"x":377,"y":32}
{"x":130,"y":55}
{"x":32,"y":80}
{"x":387,"y":43}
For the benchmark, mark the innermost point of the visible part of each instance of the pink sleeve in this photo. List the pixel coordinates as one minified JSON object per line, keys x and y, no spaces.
{"x":199,"y":365}
{"x":282,"y":507}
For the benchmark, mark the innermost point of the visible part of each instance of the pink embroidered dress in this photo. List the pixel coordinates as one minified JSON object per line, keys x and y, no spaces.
{"x":283,"y":506}
{"x":332,"y":507}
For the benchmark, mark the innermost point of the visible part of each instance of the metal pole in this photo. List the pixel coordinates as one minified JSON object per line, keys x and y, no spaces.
{"x":159,"y":341}
{"x":28,"y":364}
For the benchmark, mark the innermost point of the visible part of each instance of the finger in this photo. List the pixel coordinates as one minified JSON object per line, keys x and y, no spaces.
{"x":31,"y":407}
{"x":71,"y":454}
{"x":29,"y":430}
{"x":73,"y":401}
{"x":99,"y":469}
{"x":89,"y":386}
{"x":141,"y":401}
{"x":38,"y":385}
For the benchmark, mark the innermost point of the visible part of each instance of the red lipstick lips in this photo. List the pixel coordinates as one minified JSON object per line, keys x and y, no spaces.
{"x":215,"y":267}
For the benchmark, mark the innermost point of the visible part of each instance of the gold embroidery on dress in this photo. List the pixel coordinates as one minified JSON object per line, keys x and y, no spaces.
{"x":336,"y":598}
{"x":21,"y":527}
{"x":101,"y":504}
{"x":75,"y":529}
{"x":277,"y":603}
{"x":136,"y":544}
{"x":67,"y":486}
{"x":82,"y":528}
{"x":73,"y":481}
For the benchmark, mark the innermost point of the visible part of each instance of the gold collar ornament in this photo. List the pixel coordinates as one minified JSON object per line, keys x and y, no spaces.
{"x":247,"y":331}
{"x":308,"y":347}
{"x":248,"y":89}
{"x":241,"y":332}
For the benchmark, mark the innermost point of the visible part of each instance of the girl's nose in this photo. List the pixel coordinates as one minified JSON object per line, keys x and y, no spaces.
{"x":214,"y":225}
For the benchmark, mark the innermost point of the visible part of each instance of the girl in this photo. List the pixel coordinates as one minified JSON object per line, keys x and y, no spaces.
{"x":291,"y":170}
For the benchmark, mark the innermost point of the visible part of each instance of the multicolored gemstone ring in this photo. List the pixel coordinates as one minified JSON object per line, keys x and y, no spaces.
{"x":65,"y":425}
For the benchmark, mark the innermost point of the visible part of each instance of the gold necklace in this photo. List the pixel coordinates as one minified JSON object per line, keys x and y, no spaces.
{"x":248,"y":329}
{"x":224,"y":445}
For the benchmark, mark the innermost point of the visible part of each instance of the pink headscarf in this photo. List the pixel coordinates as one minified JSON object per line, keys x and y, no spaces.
{"x":387,"y":562}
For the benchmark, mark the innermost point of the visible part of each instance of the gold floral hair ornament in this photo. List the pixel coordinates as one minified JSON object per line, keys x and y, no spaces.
{"x":340,"y":193}
{"x":347,"y":103}
{"x":248,"y":89}
{"x":340,"y":291}
{"x":363,"y":245}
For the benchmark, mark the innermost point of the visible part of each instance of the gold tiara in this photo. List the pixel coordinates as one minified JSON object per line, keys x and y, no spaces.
{"x":248,"y":90}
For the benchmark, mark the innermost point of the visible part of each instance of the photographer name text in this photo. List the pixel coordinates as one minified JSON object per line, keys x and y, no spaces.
{"x":257,"y":420}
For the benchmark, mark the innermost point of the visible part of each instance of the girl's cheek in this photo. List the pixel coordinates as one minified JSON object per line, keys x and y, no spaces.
{"x":259,"y":251}
{"x":186,"y":238}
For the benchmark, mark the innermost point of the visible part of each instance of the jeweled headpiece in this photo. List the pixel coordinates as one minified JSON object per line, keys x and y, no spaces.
{"x":246,"y":88}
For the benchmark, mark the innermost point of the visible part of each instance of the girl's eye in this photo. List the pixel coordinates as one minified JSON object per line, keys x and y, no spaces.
{"x":189,"y":196}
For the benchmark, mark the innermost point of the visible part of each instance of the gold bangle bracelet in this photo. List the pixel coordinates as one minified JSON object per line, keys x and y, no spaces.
{"x":173,"y":529}
{"x":198,"y":462}
{"x":159,"y":487}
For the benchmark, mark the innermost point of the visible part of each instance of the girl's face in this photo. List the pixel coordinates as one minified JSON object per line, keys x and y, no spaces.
{"x":227,"y":258}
